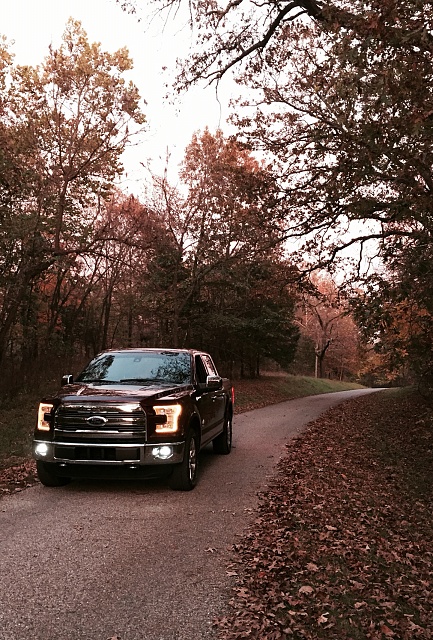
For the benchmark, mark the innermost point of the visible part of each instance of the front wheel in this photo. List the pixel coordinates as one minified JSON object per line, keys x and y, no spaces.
{"x":48,"y":477}
{"x":222,"y":444}
{"x":184,"y":476}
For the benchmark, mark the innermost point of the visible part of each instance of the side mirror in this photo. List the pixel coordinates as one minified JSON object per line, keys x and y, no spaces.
{"x":214,"y":383}
{"x":68,"y":379}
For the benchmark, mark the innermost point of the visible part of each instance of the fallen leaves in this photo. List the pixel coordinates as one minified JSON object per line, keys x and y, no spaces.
{"x":17,"y":476}
{"x":342,"y":545}
{"x":323,"y":619}
{"x":306,"y":589}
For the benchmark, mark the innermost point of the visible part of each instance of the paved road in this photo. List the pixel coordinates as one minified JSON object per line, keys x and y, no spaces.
{"x":96,"y":560}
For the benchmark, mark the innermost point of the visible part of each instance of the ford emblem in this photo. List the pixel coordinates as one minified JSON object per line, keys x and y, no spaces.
{"x":96,"y":421}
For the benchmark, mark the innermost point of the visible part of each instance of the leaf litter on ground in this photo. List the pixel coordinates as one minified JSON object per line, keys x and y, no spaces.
{"x":16,"y":475}
{"x":342,"y":545}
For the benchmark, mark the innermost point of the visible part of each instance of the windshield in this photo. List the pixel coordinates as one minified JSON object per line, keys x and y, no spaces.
{"x":138,"y":368}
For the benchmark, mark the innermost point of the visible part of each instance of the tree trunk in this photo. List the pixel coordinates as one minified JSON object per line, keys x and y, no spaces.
{"x":320,"y":356}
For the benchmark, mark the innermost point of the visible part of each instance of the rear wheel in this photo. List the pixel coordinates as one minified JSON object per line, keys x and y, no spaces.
{"x":47,"y":475}
{"x":184,"y":476}
{"x":222,"y":444}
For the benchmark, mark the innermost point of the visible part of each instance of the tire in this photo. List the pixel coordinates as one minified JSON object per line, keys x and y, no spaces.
{"x":184,"y":475}
{"x":48,"y":477}
{"x":222,"y":444}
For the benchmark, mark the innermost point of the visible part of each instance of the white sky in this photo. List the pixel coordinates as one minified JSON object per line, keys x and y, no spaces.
{"x":33,"y":25}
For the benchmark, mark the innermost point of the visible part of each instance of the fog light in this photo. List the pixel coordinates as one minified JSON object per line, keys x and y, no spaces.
{"x":162,"y":453}
{"x":42,"y":449}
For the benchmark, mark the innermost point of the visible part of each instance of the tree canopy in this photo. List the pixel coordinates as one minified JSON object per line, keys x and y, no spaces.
{"x":65,"y":125}
{"x":338,"y":107}
{"x":228,"y":33}
{"x":339,"y":100}
{"x":342,"y":102}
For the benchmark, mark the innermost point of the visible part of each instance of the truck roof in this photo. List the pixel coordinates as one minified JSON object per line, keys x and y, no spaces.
{"x":151,"y":350}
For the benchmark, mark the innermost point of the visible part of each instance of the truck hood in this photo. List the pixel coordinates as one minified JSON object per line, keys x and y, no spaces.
{"x":119,"y":393}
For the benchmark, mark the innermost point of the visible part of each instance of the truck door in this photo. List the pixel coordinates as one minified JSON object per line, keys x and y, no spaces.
{"x":204,"y":401}
{"x":219,"y":396}
{"x":207,"y":403}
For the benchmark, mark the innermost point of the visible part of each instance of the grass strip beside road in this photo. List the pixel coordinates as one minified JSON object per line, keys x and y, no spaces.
{"x":270,"y":389}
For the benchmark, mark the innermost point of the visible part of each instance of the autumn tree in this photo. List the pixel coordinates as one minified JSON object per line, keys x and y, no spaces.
{"x":343,"y":108}
{"x":237,"y":30}
{"x":122,"y":305}
{"x":10,"y":181}
{"x":328,"y":329}
{"x":345,"y":116}
{"x":225,"y":217}
{"x":395,"y":314}
{"x":68,"y":123}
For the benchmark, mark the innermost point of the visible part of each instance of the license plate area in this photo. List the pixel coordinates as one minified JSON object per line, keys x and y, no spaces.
{"x":97,"y":454}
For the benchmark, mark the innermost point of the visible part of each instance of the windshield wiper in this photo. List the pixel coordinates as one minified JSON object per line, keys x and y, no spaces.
{"x":144,"y":380}
{"x":99,"y":381}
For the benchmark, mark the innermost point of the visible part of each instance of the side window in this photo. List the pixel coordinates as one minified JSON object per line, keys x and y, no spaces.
{"x":200,"y":370}
{"x":210,"y":366}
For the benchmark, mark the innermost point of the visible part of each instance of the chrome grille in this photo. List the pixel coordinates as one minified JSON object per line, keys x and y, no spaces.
{"x":103,"y":418}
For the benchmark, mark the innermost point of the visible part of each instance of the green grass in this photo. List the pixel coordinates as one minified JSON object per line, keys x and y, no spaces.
{"x":270,"y":389}
{"x":18,"y":418}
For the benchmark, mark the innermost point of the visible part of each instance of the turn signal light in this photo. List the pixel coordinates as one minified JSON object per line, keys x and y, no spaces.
{"x":44,"y":416}
{"x":172,"y":413}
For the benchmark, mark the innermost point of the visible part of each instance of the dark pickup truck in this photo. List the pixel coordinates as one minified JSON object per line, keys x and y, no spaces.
{"x":135,"y":413}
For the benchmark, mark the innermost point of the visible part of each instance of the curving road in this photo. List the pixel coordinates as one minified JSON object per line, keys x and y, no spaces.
{"x":94,"y":560}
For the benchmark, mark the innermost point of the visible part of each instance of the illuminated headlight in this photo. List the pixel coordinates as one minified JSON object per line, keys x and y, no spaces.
{"x":44,"y":416}
{"x":163,"y":453}
{"x":41,"y":449}
{"x":171,"y":413}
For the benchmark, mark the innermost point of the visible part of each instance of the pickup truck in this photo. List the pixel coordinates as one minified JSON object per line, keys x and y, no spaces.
{"x":135,"y":413}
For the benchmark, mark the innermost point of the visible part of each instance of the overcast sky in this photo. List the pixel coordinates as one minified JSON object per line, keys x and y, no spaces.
{"x":34,"y":25}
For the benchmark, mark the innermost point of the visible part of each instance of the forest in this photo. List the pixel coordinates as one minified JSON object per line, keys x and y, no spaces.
{"x":302,"y":243}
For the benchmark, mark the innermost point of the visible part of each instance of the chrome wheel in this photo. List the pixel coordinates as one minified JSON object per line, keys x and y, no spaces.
{"x":184,"y":475}
{"x":192,"y":460}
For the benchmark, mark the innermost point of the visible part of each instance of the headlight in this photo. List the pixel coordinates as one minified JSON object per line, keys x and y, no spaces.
{"x":42,"y":449}
{"x":44,"y":423}
{"x":171,"y":413}
{"x":162,"y":453}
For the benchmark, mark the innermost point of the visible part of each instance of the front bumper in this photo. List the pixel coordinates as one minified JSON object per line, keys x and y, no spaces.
{"x":113,"y":454}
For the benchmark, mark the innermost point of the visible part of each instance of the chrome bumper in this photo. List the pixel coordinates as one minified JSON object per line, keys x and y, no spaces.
{"x":109,"y":454}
